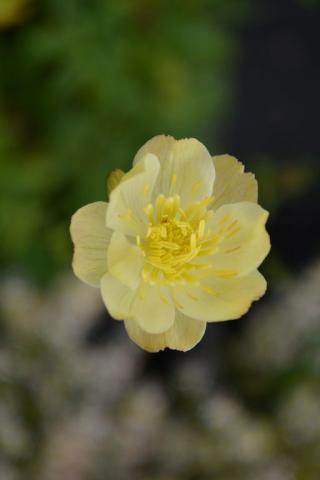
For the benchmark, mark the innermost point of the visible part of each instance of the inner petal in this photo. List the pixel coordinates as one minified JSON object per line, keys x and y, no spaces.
{"x":186,"y":167}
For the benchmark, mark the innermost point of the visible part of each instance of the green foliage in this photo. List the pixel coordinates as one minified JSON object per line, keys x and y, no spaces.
{"x":83,"y":84}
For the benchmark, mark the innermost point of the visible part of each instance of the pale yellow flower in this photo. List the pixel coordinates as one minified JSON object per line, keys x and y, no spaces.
{"x":177,"y":246}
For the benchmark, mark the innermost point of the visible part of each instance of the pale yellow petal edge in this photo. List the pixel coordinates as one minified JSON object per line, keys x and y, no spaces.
{"x":91,"y":238}
{"x":184,"y":335}
{"x":232,"y":183}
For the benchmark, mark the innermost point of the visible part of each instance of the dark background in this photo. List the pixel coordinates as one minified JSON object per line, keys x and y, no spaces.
{"x":83,"y":84}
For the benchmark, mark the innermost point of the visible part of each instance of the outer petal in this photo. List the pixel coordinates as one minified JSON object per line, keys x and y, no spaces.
{"x":232,"y":184}
{"x":153,"y":310}
{"x":245,"y":242}
{"x":220,"y":300}
{"x":186,"y":167}
{"x":91,"y":238}
{"x":117,"y":297}
{"x":124,"y":260}
{"x":184,"y":334}
{"x":133,"y":193}
{"x":113,"y":179}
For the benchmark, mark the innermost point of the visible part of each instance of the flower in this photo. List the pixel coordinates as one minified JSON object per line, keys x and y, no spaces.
{"x":177,"y":246}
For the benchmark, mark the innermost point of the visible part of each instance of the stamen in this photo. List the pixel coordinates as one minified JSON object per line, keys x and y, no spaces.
{"x":177,"y":304}
{"x":176,"y":237}
{"x":210,"y":200}
{"x":141,"y":292}
{"x":193,"y":241}
{"x":231,"y":250}
{"x":190,"y":278}
{"x":162,"y":297}
{"x":208,"y":289}
{"x":225,"y":273}
{"x":173,"y":182}
{"x":190,"y":295}
{"x":169,"y":245}
{"x":232,"y":224}
{"x":127,"y":216}
{"x":148,"y":210}
{"x":202,"y":226}
{"x":195,"y":187}
{"x":208,"y":251}
{"x":182,"y":213}
{"x":224,"y":219}
{"x":168,"y":206}
{"x":146,"y":190}
{"x":159,"y":203}
{"x":233,"y":232}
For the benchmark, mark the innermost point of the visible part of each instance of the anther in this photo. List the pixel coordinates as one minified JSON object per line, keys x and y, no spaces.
{"x":201,"y":228}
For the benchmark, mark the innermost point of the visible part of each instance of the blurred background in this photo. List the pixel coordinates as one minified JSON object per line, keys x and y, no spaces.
{"x":83,"y":84}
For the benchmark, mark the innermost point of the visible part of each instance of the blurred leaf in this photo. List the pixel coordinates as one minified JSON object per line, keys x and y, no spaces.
{"x":82,"y":86}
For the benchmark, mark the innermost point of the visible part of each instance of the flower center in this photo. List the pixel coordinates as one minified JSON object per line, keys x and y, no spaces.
{"x":174,"y":238}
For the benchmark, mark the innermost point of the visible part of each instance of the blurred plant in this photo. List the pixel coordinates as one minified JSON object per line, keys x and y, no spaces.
{"x":69,"y":411}
{"x":13,"y":12}
{"x":82,"y":85}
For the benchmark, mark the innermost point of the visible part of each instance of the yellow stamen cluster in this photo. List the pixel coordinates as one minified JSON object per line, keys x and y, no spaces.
{"x":175,"y":237}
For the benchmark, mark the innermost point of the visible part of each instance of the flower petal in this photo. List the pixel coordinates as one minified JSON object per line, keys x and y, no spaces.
{"x":113,"y":179}
{"x":184,"y":334}
{"x":245,"y":242}
{"x":91,"y":238}
{"x":186,"y":168}
{"x":219,"y":300}
{"x":133,"y":193}
{"x":117,"y":297}
{"x":152,"y":309}
{"x":124,"y":260}
{"x":232,"y":184}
